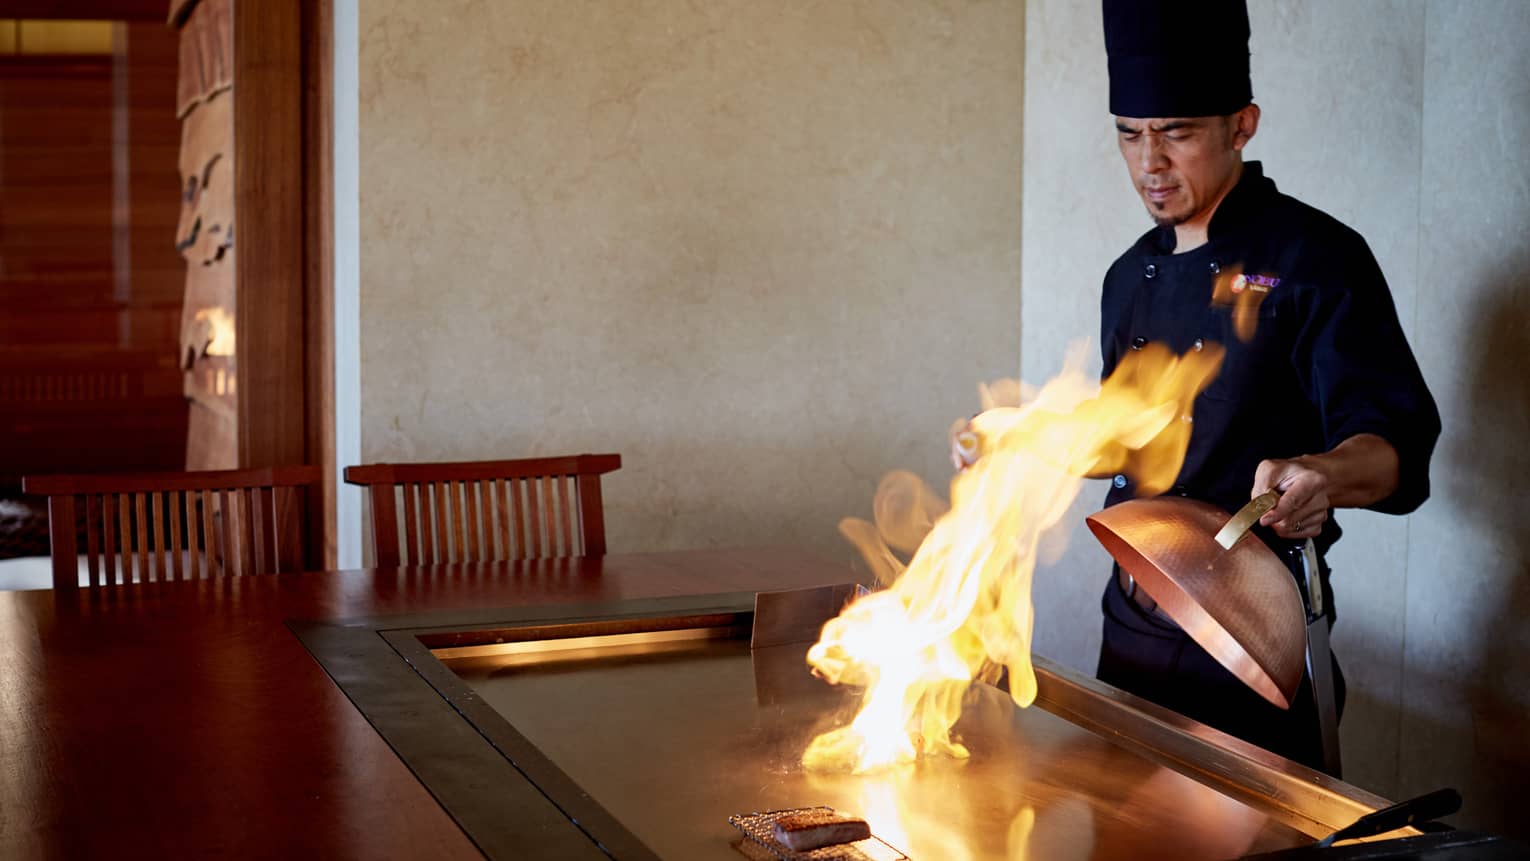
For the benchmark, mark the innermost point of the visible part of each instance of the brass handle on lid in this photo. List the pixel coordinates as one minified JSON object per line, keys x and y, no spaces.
{"x":1239,"y":524}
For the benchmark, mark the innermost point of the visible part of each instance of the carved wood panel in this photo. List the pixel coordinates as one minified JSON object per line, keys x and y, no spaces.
{"x":207,"y":54}
{"x":205,"y":235}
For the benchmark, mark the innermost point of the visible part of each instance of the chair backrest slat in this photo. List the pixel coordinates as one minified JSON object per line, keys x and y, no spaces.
{"x":228,"y":547}
{"x":411,"y":522}
{"x":92,"y":542}
{"x":482,"y":510}
{"x":454,"y":506}
{"x":501,"y":521}
{"x":170,"y":534}
{"x":259,"y":515}
{"x":385,"y":515}
{"x":565,"y":492}
{"x":108,"y":538}
{"x":62,"y":542}
{"x":188,"y":548}
{"x":266,"y":527}
{"x":484,"y":515}
{"x":533,"y":516}
{"x":592,"y":522}
{"x":470,"y":515}
{"x":210,"y":548}
{"x":440,"y":523}
{"x":550,"y":516}
{"x":430,"y":519}
{"x":454,"y":497}
{"x":177,"y":546}
{"x":242,"y":537}
{"x":156,"y":543}
{"x":139,"y":516}
{"x":124,"y":528}
{"x":276,"y":502}
{"x":545,"y":503}
{"x":174,"y":526}
{"x":424,"y":547}
{"x":244,"y":522}
{"x":518,"y":513}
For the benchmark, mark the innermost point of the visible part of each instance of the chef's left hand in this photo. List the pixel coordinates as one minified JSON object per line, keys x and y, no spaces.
{"x":1303,"y":487}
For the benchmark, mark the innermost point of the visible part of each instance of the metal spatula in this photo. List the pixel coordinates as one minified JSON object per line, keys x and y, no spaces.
{"x":1441,"y":802}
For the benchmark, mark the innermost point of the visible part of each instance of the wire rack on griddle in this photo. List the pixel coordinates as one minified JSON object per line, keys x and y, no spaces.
{"x":757,"y":830}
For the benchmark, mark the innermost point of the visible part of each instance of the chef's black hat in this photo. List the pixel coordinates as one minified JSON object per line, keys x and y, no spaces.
{"x":1177,"y":58}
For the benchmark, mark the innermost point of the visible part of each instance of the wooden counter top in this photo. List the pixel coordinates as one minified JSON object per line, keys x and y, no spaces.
{"x":185,"y":719}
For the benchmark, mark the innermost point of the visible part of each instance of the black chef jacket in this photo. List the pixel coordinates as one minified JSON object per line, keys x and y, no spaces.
{"x":1326,"y":360}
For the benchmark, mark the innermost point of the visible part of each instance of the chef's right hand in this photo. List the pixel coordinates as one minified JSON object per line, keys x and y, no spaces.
{"x":966,"y":447}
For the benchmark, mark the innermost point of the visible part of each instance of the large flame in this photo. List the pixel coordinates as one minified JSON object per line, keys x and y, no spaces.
{"x":961,"y":611}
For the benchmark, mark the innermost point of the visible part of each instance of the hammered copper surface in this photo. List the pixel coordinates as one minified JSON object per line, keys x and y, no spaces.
{"x":1241,"y":605}
{"x":673,"y":741}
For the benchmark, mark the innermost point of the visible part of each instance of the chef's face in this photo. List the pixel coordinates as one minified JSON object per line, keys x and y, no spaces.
{"x":1182,"y":166}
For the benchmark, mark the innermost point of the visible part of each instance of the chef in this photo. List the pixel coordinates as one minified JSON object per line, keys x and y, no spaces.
{"x":1319,"y":395}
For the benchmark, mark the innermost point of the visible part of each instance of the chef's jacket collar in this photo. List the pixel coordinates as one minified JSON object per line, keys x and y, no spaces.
{"x":1238,"y":208}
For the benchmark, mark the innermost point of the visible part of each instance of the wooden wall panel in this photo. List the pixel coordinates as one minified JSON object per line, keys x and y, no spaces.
{"x":270,"y":205}
{"x":87,"y":175}
{"x":268,"y":174}
{"x":149,"y":271}
{"x":87,"y":181}
{"x":318,"y":219}
{"x":56,"y":222}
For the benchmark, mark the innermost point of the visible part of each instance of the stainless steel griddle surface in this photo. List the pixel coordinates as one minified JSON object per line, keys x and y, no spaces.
{"x":672,"y":736}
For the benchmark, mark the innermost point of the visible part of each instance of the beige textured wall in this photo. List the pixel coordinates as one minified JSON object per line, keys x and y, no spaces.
{"x":764,"y":250}
{"x":1406,"y":119}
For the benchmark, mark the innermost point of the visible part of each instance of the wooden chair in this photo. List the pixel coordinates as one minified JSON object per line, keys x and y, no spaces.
{"x":485,"y":510}
{"x":178,"y":525}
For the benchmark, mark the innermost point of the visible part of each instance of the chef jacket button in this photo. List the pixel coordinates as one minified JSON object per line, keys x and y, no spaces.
{"x":1119,"y":481}
{"x":1151,"y":271}
{"x":1139,"y":342}
{"x":1215,"y":267}
{"x":1199,"y":345}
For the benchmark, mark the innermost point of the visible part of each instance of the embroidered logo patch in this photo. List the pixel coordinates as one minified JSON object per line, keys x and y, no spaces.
{"x":1256,"y":283}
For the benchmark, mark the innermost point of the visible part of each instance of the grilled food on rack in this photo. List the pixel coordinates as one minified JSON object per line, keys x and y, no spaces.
{"x":813,"y":829}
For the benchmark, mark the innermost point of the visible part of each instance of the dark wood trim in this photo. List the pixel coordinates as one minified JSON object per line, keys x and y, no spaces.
{"x":87,"y":10}
{"x":268,"y":161}
{"x":282,"y":145}
{"x":318,"y":233}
